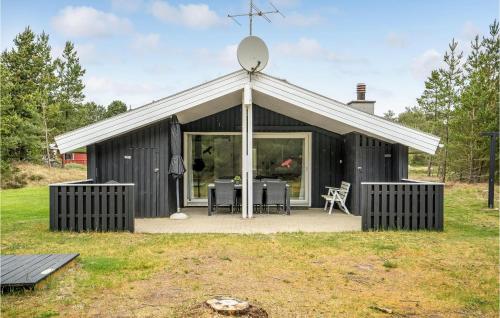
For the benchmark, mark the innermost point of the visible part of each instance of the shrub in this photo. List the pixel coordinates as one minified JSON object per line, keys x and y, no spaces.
{"x":36,"y":177}
{"x":12,"y":178}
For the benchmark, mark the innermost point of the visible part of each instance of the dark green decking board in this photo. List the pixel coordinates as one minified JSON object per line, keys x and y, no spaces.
{"x":28,"y":270}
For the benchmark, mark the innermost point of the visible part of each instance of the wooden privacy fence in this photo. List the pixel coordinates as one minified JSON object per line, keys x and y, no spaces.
{"x":86,"y":206}
{"x":406,"y":205}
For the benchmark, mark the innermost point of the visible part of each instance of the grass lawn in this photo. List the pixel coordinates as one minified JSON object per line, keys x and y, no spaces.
{"x":417,"y":274}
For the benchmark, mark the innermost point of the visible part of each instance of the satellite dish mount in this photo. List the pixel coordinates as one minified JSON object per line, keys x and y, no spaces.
{"x":253,"y":54}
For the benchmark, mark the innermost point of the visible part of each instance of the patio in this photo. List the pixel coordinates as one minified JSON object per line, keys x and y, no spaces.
{"x":310,"y":220}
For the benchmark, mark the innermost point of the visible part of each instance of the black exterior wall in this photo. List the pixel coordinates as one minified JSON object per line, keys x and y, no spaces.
{"x":134,"y":157}
{"x":141,"y":157}
{"x":369,"y":159}
{"x":326,"y":146}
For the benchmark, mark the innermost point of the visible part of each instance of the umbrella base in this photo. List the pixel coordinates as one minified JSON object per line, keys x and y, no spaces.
{"x":179,"y":216}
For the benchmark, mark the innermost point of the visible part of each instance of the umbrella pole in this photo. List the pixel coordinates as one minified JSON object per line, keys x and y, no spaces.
{"x":177,"y":194}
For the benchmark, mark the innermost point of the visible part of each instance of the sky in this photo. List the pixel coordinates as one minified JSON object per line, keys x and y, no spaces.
{"x":138,"y":51}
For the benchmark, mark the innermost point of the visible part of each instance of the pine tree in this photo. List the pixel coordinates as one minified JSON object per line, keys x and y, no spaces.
{"x":390,"y":115}
{"x":478,"y":110}
{"x":47,"y":84}
{"x":452,"y":78}
{"x":22,"y":71}
{"x":70,"y":89}
{"x":432,"y":107}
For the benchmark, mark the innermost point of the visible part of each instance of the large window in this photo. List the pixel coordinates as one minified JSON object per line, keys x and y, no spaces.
{"x":211,"y":156}
{"x":282,"y":156}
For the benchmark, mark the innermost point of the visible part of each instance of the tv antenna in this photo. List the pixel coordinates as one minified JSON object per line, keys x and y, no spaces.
{"x":255,"y":11}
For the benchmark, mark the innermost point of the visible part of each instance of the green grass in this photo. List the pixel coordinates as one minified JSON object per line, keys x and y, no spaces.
{"x":448,"y":274}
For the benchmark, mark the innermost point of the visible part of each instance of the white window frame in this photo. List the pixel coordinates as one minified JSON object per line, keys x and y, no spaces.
{"x":307,"y":178}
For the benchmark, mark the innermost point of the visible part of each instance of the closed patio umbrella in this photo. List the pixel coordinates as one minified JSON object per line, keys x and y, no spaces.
{"x":176,"y":168}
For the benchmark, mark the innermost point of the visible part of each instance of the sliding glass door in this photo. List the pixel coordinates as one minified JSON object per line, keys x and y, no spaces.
{"x":211,"y":156}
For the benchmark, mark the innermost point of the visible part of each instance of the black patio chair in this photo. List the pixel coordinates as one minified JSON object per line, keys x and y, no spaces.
{"x":258,"y":195}
{"x":224,"y":194}
{"x":275,"y":194}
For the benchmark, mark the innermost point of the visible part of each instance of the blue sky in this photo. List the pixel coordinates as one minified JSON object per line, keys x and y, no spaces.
{"x":141,"y":50}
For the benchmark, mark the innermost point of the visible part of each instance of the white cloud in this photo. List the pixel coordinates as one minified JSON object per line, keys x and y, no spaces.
{"x":305,"y":47}
{"x":226,"y":57}
{"x":89,"y":22}
{"x":86,"y":52}
{"x":103,"y":90}
{"x":300,"y":20}
{"x":470,"y":30}
{"x":309,"y":48}
{"x":145,"y":42}
{"x":285,"y":3}
{"x":196,"y":16}
{"x":396,"y":40}
{"x":423,"y":65}
{"x":126,"y":5}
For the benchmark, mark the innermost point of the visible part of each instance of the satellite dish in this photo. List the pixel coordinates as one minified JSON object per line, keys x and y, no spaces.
{"x":253,"y":54}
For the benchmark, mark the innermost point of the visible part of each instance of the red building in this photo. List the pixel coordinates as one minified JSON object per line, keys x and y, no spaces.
{"x":77,"y":156}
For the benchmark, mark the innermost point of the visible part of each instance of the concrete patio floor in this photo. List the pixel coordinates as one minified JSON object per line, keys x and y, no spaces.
{"x":311,"y":220}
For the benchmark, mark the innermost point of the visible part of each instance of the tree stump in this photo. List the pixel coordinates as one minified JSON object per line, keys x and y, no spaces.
{"x":228,"y":305}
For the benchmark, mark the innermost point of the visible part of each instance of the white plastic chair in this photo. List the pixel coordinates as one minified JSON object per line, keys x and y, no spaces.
{"x":338,"y":195}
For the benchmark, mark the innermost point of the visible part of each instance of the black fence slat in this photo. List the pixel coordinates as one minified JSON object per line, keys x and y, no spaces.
{"x":392,"y":205}
{"x":80,"y":208}
{"x":53,"y":208}
{"x":97,"y":208}
{"x":383,"y":212}
{"x":72,"y":208}
{"x":104,"y":208}
{"x":439,"y":208}
{"x":407,"y":211}
{"x":399,"y":206}
{"x":422,"y":207}
{"x":376,"y":205}
{"x":369,"y":211}
{"x":119,"y":208}
{"x":63,"y":214}
{"x":407,"y":205}
{"x":90,"y":207}
{"x":111,"y":213}
{"x":414,"y":207}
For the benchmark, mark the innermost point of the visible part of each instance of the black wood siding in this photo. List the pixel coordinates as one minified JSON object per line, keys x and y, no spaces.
{"x":369,"y":159}
{"x":106,"y":159}
{"x":148,"y":150}
{"x":326,"y":147}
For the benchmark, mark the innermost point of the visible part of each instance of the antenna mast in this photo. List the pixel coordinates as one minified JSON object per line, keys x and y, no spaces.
{"x":253,"y":10}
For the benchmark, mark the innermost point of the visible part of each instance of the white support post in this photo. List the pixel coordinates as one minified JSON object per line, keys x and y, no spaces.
{"x":246,"y":153}
{"x":249,"y":159}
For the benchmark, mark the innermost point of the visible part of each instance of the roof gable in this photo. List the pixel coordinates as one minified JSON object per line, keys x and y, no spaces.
{"x":269,"y":92}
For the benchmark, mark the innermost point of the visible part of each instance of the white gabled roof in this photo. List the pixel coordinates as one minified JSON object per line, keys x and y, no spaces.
{"x":153,"y":112}
{"x":269,"y":92}
{"x":329,"y":114}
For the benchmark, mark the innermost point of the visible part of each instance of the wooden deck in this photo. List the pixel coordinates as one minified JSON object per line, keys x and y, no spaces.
{"x":25,"y":271}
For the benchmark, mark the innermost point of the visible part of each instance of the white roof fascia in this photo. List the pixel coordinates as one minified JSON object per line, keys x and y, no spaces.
{"x":152,"y":112}
{"x":360,"y":121}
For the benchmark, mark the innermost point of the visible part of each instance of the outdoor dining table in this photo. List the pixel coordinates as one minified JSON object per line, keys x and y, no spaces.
{"x":237,"y":187}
